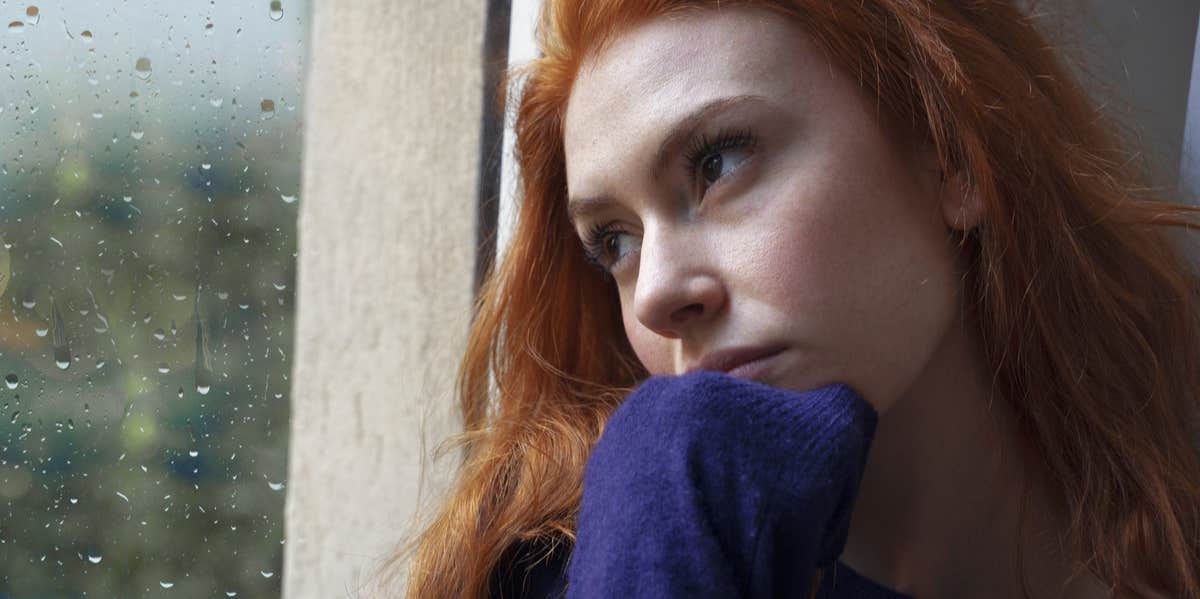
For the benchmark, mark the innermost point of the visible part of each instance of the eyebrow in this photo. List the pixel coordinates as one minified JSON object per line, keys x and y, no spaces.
{"x":683,"y":129}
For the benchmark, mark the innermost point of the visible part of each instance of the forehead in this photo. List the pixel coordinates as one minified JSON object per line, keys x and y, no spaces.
{"x":661,"y":70}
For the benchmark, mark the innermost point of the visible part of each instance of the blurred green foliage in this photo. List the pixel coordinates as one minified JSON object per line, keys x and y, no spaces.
{"x":150,"y":226}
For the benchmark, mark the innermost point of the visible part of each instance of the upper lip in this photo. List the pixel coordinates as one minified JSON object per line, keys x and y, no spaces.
{"x":727,"y":359}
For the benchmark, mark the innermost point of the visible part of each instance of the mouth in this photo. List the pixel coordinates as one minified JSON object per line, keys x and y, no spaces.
{"x":745,"y":362}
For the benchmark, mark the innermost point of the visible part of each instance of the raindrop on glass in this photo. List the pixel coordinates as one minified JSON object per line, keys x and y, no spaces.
{"x":216,"y":102}
{"x":95,"y":559}
{"x":208,"y":29}
{"x":136,"y":135}
{"x":287,"y":199}
{"x":203,"y":389}
{"x":166,"y":585}
{"x":16,"y":27}
{"x":268,"y":108}
{"x":42,"y":330}
{"x":163,"y":368}
{"x":62,"y":350}
{"x":87,"y":36}
{"x":193,"y":453}
{"x":231,"y":593}
{"x":180,"y":393}
{"x":142,"y":68}
{"x":32,"y":15}
{"x":275,"y":486}
{"x":276,"y":10}
{"x":266,"y":574}
{"x":159,"y":334}
{"x":11,"y":381}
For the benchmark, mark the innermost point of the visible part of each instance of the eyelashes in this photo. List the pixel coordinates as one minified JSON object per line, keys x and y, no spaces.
{"x":703,"y":165}
{"x":702,"y":148}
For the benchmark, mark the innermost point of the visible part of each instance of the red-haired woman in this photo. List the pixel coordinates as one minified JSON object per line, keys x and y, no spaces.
{"x":853,"y":299}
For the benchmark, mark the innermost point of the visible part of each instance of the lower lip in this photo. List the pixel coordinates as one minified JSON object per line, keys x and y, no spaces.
{"x":754,"y":369}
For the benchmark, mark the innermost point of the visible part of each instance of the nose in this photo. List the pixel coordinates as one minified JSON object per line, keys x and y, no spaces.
{"x":678,"y":286}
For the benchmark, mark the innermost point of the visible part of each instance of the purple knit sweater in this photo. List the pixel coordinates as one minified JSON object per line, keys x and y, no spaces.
{"x":705,"y":485}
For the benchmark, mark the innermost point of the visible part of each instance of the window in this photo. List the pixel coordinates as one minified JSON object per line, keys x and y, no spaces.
{"x":149,"y":186}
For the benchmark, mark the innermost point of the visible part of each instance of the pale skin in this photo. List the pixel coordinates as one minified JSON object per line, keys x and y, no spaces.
{"x":806,"y":225}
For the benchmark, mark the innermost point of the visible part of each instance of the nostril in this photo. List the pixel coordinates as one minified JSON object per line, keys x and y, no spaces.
{"x":687,"y":312}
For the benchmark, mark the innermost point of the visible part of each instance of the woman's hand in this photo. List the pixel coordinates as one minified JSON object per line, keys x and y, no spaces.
{"x":704,"y":485}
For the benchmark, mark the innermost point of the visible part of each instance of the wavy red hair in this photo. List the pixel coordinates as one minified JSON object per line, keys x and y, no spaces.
{"x":1085,"y":297}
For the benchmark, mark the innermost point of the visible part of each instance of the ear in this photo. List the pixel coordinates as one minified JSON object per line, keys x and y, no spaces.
{"x":962,"y":208}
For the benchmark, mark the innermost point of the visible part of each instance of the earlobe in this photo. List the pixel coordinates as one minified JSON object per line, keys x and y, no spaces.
{"x":962,"y":208}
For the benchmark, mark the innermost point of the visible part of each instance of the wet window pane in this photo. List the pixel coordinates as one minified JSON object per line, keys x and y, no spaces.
{"x":149,"y":187}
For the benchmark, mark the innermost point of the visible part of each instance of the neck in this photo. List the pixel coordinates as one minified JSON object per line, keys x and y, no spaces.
{"x":940,"y":502}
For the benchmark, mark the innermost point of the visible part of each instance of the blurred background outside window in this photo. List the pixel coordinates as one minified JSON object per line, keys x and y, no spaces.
{"x":149,"y":188}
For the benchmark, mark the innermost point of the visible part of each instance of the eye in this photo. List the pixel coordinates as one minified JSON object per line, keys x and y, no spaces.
{"x":720,"y":164}
{"x":607,"y":246}
{"x":709,"y":160}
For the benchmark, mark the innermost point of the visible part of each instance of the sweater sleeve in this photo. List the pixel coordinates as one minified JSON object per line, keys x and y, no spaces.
{"x":705,"y":485}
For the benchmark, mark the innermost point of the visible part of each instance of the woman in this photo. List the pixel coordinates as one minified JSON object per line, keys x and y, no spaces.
{"x":914,"y":215}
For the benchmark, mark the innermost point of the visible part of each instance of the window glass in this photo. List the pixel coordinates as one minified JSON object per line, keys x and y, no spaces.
{"x":149,"y":187}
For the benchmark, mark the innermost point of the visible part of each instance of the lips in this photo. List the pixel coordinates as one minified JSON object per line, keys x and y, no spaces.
{"x":734,"y":360}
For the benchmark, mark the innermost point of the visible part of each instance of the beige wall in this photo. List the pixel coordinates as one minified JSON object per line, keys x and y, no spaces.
{"x":386,"y":231}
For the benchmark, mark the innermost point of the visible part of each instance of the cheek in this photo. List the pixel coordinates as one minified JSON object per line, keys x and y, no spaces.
{"x":657,"y":354}
{"x":863,"y":277}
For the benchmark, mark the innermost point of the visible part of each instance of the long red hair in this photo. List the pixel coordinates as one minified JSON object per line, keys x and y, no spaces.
{"x":1087,"y":304}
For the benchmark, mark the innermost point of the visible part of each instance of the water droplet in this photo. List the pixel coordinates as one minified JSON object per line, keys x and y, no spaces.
{"x":208,"y":29}
{"x":142,"y":68}
{"x":120,"y":494}
{"x":166,"y":585}
{"x":11,"y":381}
{"x":268,"y":108}
{"x":136,"y":135}
{"x":100,"y":363}
{"x":206,"y":166}
{"x":32,"y":15}
{"x":86,"y":35}
{"x":164,"y":368}
{"x":222,"y":295}
{"x":193,"y":453}
{"x":97,"y":115}
{"x":62,"y":350}
{"x":42,"y":330}
{"x":216,"y":102}
{"x":13,"y":420}
{"x":203,"y":389}
{"x":73,"y":500}
{"x":279,"y":286}
{"x":275,"y":486}
{"x":179,"y":297}
{"x":266,"y":574}
{"x":159,"y":334}
{"x":95,"y":559}
{"x":231,"y":593}
{"x":276,"y":10}
{"x":180,"y":393}
{"x":287,"y":199}
{"x":16,"y":27}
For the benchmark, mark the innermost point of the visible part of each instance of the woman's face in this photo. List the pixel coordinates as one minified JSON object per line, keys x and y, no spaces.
{"x":742,"y":192}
